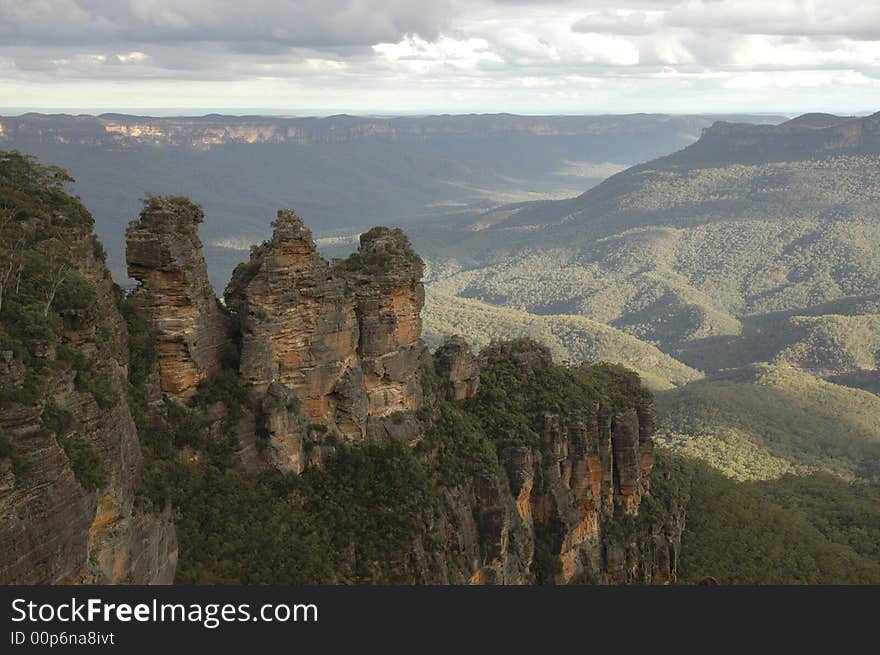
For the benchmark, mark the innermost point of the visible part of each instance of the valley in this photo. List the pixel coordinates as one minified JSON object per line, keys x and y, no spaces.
{"x":671,"y":376}
{"x":755,"y":269}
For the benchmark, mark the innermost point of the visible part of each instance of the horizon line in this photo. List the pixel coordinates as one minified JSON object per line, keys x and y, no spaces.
{"x":242,"y":112}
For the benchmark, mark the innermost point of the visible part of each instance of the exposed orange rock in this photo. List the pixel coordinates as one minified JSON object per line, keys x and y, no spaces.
{"x":164,"y":254}
{"x":345,"y":340}
{"x":53,"y":530}
{"x":590,"y":471}
{"x":386,"y":278}
{"x":298,"y":325}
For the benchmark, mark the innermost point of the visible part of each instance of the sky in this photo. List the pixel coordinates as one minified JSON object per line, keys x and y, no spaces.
{"x":433,"y":56}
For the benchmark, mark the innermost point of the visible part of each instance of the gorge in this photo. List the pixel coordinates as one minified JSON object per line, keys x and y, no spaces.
{"x":307,"y":399}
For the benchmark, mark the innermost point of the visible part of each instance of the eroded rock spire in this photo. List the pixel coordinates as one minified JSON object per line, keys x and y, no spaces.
{"x":164,"y":254}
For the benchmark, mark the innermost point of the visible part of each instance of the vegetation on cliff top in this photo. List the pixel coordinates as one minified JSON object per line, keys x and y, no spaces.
{"x":45,"y":246}
{"x":177,"y":212}
{"x":385,"y":251}
{"x":358,"y":517}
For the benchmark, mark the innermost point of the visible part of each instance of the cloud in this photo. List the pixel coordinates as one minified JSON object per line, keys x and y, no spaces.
{"x":502,"y":55}
{"x":616,"y":22}
{"x":798,"y":79}
{"x":854,"y":19}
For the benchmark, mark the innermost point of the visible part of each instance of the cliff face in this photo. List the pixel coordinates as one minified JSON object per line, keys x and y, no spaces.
{"x":164,"y":254}
{"x":455,"y":363}
{"x":298,"y":325}
{"x":565,"y":506}
{"x":340,"y":345}
{"x":72,"y":464}
{"x":386,"y":278}
{"x":805,"y":137}
{"x":503,"y":468}
{"x":122,"y":131}
{"x":333,"y":354}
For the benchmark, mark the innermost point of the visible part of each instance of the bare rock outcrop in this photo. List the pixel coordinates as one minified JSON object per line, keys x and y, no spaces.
{"x":164,"y":255}
{"x":345,"y":341}
{"x":456,"y":363}
{"x":385,"y":276}
{"x":299,"y":336}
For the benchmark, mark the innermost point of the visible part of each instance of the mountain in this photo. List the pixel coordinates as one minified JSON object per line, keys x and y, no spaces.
{"x":805,"y":137}
{"x":302,"y":433}
{"x":762,"y":421}
{"x":755,"y":245}
{"x":345,"y":172}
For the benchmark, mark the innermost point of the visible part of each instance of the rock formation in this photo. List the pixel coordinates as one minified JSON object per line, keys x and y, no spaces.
{"x":327,"y":349}
{"x":298,"y":324}
{"x":562,"y":497}
{"x":164,"y":254}
{"x":386,"y":278}
{"x":454,"y":362}
{"x":538,"y":472}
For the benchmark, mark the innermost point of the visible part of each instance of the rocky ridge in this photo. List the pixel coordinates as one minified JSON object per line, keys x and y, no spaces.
{"x":538,"y":472}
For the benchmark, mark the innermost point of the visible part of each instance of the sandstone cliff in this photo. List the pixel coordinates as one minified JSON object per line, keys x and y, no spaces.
{"x":333,"y":355}
{"x":72,"y":464}
{"x":164,"y":254}
{"x":326,"y":351}
{"x":454,"y":362}
{"x":565,"y":504}
{"x":385,"y":276}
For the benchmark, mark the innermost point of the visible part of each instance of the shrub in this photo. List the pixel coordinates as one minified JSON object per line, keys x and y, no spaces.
{"x":8,"y":450}
{"x":84,"y":461}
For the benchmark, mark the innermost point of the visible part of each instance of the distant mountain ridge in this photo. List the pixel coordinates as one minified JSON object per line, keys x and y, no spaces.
{"x":810,"y":135}
{"x":345,"y":172}
{"x":122,"y":130}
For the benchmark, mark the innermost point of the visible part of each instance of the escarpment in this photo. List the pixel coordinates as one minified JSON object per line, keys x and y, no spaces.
{"x":70,"y":457}
{"x":575,"y":455}
{"x":498,"y":467}
{"x":164,"y":255}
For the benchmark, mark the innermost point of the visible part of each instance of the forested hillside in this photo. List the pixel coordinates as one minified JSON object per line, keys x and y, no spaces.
{"x":346,"y":173}
{"x":725,"y":255}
